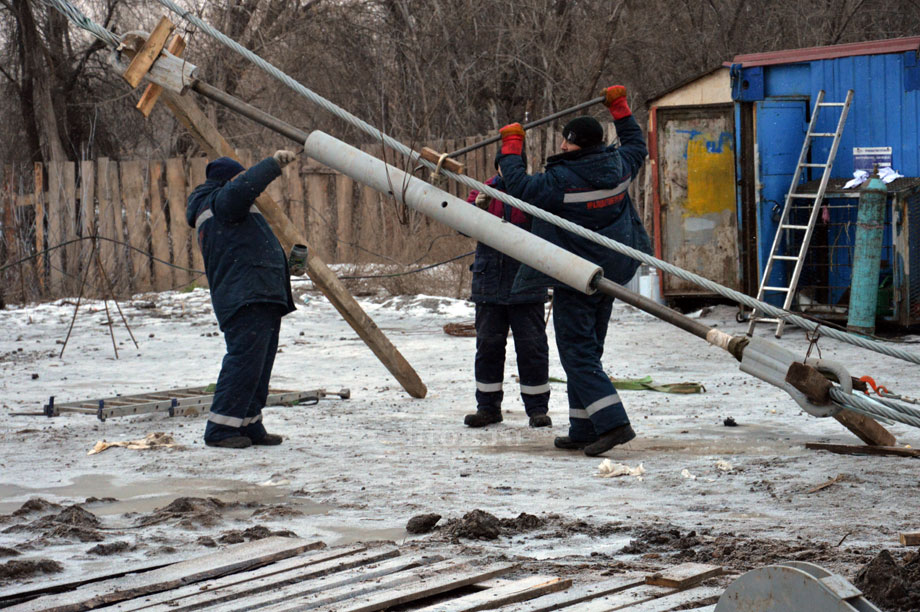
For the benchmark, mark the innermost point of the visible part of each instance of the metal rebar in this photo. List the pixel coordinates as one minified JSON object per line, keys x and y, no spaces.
{"x":528,"y":126}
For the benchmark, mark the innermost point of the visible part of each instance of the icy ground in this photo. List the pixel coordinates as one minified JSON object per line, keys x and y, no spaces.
{"x":359,"y":469}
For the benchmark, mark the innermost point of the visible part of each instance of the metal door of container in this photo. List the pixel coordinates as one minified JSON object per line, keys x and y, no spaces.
{"x":696,"y":183}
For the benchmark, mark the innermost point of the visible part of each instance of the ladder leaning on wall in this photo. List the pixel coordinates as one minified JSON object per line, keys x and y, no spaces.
{"x":798,"y":237}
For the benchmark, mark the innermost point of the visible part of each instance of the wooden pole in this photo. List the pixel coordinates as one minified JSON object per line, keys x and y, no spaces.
{"x":205,"y":132}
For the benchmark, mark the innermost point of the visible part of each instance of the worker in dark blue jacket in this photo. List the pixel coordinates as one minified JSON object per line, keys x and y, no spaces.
{"x":497,"y":311}
{"x":586,"y":184}
{"x":250,"y":285}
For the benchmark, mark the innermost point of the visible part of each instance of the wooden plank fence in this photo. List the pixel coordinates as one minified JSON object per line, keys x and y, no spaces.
{"x":136,"y":209}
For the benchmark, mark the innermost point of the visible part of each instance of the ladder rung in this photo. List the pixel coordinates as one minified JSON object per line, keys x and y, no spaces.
{"x":832,"y":104}
{"x":786,"y":257}
{"x":824,"y":134}
{"x":766,"y":320}
{"x":798,"y":227}
{"x":783,"y":289}
{"x":814,"y":165}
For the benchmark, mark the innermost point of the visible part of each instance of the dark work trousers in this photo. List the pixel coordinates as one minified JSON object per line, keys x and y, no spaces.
{"x":251,"y":336}
{"x":580,"y":322}
{"x":529,"y":332}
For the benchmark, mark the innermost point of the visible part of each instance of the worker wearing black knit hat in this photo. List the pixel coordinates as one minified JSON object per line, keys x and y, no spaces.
{"x":586,"y":184}
{"x":250,"y":290}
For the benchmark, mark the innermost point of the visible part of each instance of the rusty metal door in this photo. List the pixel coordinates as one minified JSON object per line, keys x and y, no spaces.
{"x":699,"y":221}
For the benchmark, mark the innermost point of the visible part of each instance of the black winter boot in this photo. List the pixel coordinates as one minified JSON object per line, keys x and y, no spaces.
{"x":541,"y":420}
{"x":268,"y":440}
{"x":231,"y":442}
{"x":481,"y":418}
{"x":609,"y":439}
{"x":567,"y":443}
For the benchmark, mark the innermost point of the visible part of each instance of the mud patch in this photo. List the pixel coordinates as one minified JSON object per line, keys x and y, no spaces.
{"x":274,"y":512}
{"x":71,"y":523}
{"x":480,"y":525}
{"x":258,"y":532}
{"x":20,"y":569}
{"x":108,"y":549}
{"x":35,"y":505}
{"x":9,"y":552}
{"x":188,"y":513}
{"x":890,"y":584}
{"x":423,"y":523}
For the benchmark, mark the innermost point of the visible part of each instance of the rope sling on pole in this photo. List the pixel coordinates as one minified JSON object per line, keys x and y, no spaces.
{"x":766,"y":360}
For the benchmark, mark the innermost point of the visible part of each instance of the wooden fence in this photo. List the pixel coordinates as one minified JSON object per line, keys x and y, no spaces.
{"x":135,"y":210}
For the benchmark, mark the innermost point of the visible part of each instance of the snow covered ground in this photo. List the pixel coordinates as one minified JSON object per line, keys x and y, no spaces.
{"x":358,"y":469}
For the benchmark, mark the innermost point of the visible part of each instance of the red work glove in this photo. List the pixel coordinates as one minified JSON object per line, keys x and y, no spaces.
{"x":512,"y":139}
{"x":615,"y":101}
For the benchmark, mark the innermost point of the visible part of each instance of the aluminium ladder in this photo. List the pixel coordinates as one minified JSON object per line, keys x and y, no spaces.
{"x":790,"y":230}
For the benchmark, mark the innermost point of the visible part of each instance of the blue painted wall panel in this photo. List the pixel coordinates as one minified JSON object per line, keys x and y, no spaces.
{"x":884,"y":113}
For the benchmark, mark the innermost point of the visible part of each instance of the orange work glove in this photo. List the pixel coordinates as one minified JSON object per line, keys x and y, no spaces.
{"x":512,"y":139}
{"x":615,"y":101}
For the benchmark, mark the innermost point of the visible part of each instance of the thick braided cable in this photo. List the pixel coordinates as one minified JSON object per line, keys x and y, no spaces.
{"x":533,"y":210}
{"x":875,"y":409}
{"x":80,"y":20}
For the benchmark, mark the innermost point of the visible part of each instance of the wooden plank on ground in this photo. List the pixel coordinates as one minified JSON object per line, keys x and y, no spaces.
{"x":579,"y":594}
{"x":227,"y":590}
{"x":179,"y":230}
{"x":340,"y":587}
{"x":159,"y":233}
{"x":513,"y":591}
{"x":233,"y":559}
{"x":847,"y":449}
{"x":684,"y":576}
{"x":865,"y":428}
{"x":909,"y":538}
{"x":426,"y":587}
{"x":675,"y":601}
{"x":623,"y":599}
{"x":320,"y":555}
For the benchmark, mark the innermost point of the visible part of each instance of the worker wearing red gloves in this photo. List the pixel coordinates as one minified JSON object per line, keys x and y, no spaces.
{"x":586,"y":184}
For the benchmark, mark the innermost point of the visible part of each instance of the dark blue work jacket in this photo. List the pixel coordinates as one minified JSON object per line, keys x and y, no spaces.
{"x":243,"y":259}
{"x":493,"y":271}
{"x":586,"y":187}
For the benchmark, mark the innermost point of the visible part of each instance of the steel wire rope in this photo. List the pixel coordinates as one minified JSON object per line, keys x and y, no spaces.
{"x":528,"y":208}
{"x":80,"y":20}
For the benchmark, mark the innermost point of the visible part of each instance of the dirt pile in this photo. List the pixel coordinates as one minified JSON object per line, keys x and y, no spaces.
{"x":257,"y":532}
{"x":423,"y":523}
{"x":480,"y":525}
{"x":19,"y":569}
{"x":71,"y":523}
{"x":890,"y":584}
{"x":188,"y":512}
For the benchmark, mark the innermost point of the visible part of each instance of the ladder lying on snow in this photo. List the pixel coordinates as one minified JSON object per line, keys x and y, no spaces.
{"x":786,"y":250}
{"x":175,"y":402}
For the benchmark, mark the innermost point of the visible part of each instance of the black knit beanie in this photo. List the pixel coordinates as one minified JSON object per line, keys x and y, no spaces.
{"x":223,"y":169}
{"x":584,"y":131}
